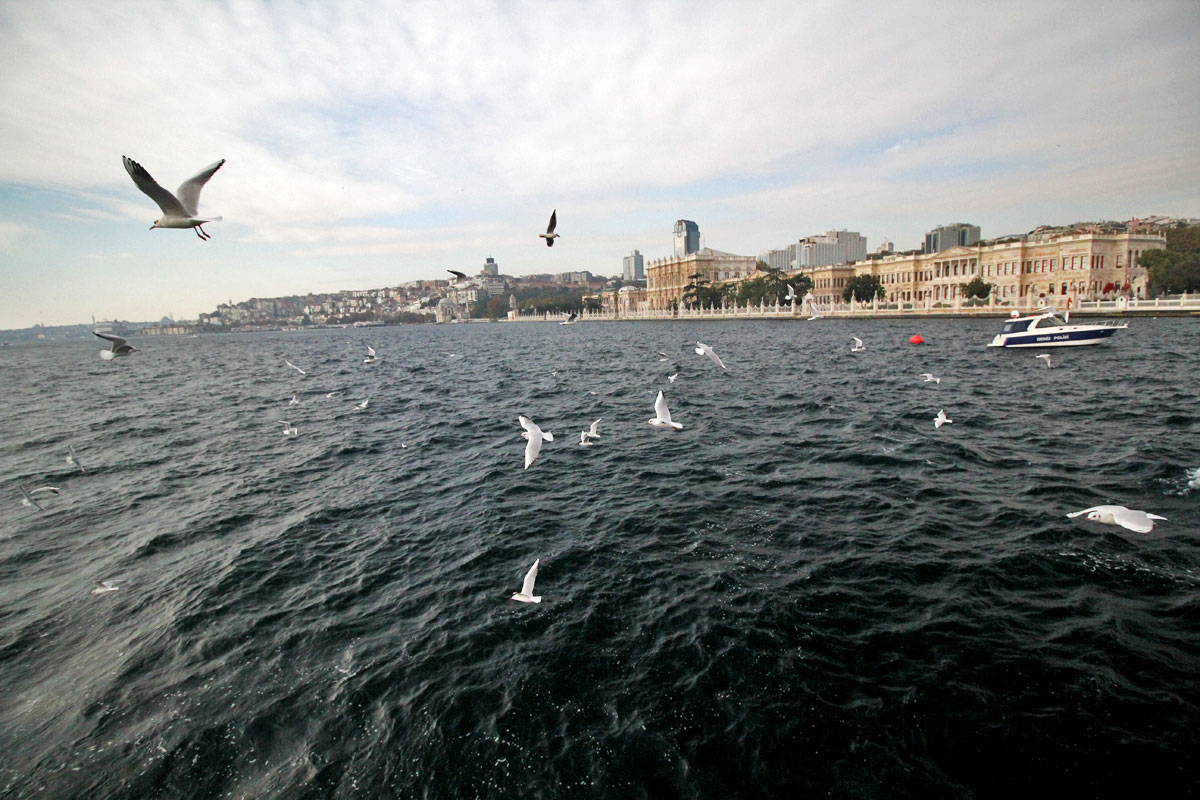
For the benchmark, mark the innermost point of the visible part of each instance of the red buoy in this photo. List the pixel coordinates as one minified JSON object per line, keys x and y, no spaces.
{"x":916,"y":339}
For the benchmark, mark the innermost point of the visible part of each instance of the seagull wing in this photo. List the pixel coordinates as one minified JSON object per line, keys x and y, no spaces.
{"x":370,"y":351}
{"x":592,"y":431}
{"x":169,"y":204}
{"x":1138,"y":521}
{"x":661,"y":410}
{"x":857,"y":341}
{"x":117,"y":341}
{"x":553,"y":221}
{"x":189,"y":191}
{"x":530,"y":577}
{"x":462,"y":276}
{"x":1085,"y":511}
{"x":29,"y":499}
{"x":532,"y":448}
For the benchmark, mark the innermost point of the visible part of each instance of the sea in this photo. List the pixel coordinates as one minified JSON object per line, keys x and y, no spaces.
{"x":808,"y":591}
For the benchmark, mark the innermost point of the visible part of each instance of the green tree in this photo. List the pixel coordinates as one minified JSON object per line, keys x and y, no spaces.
{"x":1171,"y":272}
{"x":497,"y":307}
{"x":701,"y":292}
{"x":977,"y":287}
{"x":863,"y":287}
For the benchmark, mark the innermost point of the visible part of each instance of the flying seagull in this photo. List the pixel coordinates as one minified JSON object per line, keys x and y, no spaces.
{"x":583,"y":439}
{"x":333,"y":394}
{"x":363,"y":404}
{"x":671,"y":378}
{"x":928,"y":377}
{"x":1045,"y":357}
{"x":591,"y":432}
{"x":1129,"y":518}
{"x":536,"y":436}
{"x":293,"y":366}
{"x":550,"y":235}
{"x":104,"y":587}
{"x":73,"y":460}
{"x":857,"y":346}
{"x":791,"y":295}
{"x":293,"y":401}
{"x":288,"y":430}
{"x":179,"y":209}
{"x":458,"y":276}
{"x":816,"y":312}
{"x":526,"y":594}
{"x":704,"y":350}
{"x":662,"y":416}
{"x":28,"y":501}
{"x":941,"y":419}
{"x":370,"y":359}
{"x":570,"y":320}
{"x":118,"y":349}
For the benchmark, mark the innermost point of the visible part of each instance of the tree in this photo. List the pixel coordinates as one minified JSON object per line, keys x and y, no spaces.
{"x":497,"y":307}
{"x":977,"y":287}
{"x":701,"y":292}
{"x":1171,"y":272}
{"x":863,"y":287}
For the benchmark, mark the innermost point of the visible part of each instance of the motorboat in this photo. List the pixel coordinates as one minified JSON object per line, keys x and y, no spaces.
{"x":1047,"y":329}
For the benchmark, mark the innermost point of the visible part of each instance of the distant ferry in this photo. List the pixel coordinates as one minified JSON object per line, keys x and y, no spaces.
{"x":1047,"y":329}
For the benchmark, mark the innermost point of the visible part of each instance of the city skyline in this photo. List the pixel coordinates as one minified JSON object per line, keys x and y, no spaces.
{"x":367,"y":150}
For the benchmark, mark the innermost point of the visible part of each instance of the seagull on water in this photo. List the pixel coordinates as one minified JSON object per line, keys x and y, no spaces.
{"x":1129,"y":518}
{"x":857,"y":346}
{"x":370,"y":359}
{"x":662,"y":356}
{"x":941,"y":419}
{"x":550,"y":235}
{"x":570,"y":319}
{"x":289,"y":430}
{"x":526,"y":594}
{"x":662,"y":416}
{"x":363,"y":404}
{"x":535,"y":437}
{"x":1044,"y":357}
{"x":928,"y":377}
{"x":104,"y":587}
{"x":73,"y":460}
{"x":704,"y":350}
{"x":293,"y":366}
{"x":118,"y":349}
{"x":179,"y":209}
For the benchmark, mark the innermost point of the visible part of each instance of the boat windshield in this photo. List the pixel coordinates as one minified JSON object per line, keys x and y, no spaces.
{"x":1051,"y":321}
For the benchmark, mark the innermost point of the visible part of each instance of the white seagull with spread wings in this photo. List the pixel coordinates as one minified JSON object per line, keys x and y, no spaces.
{"x":179,"y":209}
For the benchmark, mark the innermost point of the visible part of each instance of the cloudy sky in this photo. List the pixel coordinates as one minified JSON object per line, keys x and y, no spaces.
{"x":367,"y":145}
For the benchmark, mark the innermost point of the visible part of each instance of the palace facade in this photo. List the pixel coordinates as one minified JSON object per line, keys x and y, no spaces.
{"x":666,"y":278}
{"x":1038,"y":265}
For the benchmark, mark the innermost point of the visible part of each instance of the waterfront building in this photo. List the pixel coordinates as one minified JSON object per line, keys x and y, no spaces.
{"x":633,"y":267}
{"x":959,"y":234}
{"x":831,"y":247}
{"x":687,"y":237}
{"x":1051,"y":266}
{"x":666,"y":278}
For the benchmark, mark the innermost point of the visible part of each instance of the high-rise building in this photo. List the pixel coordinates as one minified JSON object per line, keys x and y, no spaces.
{"x":633,"y":268}
{"x":958,"y":234}
{"x":831,"y":247}
{"x":776,"y":259}
{"x":490,"y":267}
{"x":687,"y":237}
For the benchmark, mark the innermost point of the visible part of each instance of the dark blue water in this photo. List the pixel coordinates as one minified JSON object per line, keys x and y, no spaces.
{"x":808,"y":591}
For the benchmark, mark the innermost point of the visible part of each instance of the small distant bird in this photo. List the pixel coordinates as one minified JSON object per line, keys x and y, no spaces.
{"x":535,"y":437}
{"x":293,"y":401}
{"x":73,"y":459}
{"x":583,"y":439}
{"x":293,"y":366}
{"x":592,"y":431}
{"x":570,"y":320}
{"x":179,"y":209}
{"x":857,"y":347}
{"x":550,"y":235}
{"x":458,"y":276}
{"x":363,"y":404}
{"x":333,"y":394}
{"x":662,"y":356}
{"x":941,"y":419}
{"x":370,"y":359}
{"x":671,"y":378}
{"x":118,"y":349}
{"x":27,"y":496}
{"x":704,"y":350}
{"x":104,"y":587}
{"x":526,"y":594}
{"x":791,"y":295}
{"x":662,"y":416}
{"x":1129,"y":518}
{"x":928,"y":377}
{"x":1045,"y":357}
{"x":289,"y":430}
{"x":816,"y":312}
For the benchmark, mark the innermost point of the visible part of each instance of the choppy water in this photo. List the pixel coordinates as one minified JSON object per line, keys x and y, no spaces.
{"x":807,"y":591}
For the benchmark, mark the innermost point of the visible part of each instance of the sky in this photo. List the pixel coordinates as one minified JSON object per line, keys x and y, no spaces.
{"x":369,"y":144}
